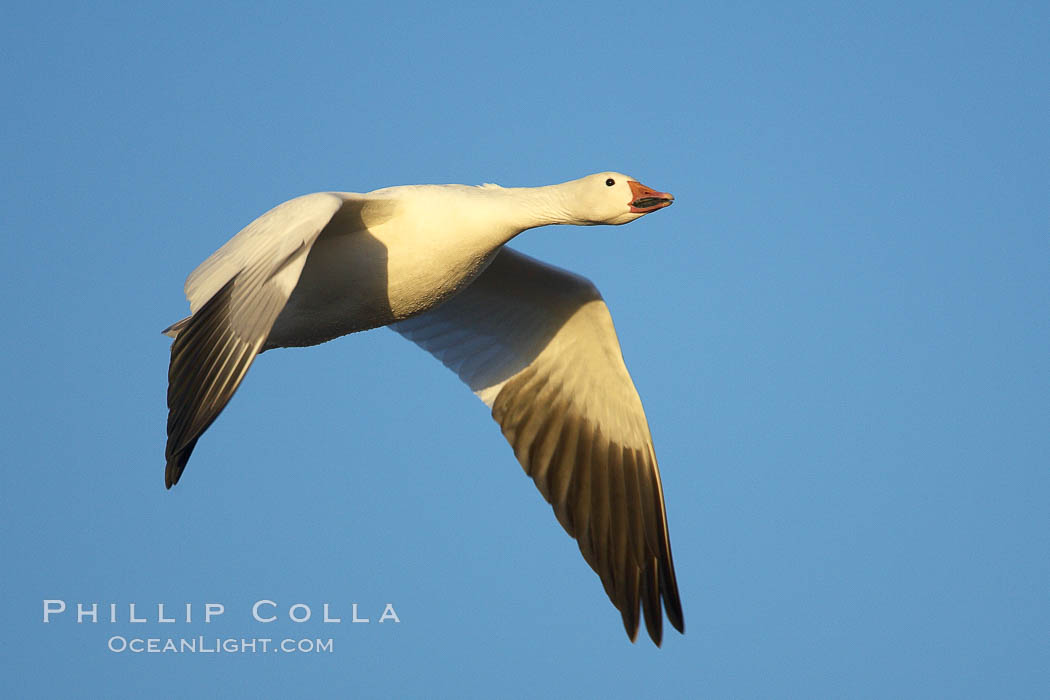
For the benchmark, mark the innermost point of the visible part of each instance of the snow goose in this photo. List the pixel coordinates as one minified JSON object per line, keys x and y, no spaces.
{"x":534,"y":342}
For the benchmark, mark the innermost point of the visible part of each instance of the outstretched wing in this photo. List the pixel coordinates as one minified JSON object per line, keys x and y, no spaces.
{"x":537,"y":344}
{"x":235,"y":295}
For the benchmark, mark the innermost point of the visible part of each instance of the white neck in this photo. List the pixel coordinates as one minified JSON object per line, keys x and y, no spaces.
{"x":512,"y":210}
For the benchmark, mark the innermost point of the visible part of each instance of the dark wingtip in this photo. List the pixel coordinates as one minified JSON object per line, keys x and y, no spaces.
{"x":655,"y":632}
{"x":177,"y":464}
{"x":632,"y":630}
{"x":673,"y":607}
{"x":172,"y":472}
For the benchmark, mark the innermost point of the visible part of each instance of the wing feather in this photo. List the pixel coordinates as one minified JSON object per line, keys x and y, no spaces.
{"x":235,"y":296}
{"x":537,"y":344}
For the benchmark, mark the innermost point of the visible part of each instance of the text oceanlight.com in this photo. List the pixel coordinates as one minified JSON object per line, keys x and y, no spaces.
{"x":218,"y":645}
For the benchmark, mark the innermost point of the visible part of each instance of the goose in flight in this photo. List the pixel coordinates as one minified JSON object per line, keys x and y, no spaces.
{"x":534,"y":342}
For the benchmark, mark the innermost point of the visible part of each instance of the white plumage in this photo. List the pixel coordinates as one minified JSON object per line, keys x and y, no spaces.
{"x":534,"y":342}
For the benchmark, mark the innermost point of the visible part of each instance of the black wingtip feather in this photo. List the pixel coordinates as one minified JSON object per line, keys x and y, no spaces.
{"x":177,"y":464}
{"x":208,"y":362}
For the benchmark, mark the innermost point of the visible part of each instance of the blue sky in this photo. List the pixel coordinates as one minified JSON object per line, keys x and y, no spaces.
{"x":840,"y":333}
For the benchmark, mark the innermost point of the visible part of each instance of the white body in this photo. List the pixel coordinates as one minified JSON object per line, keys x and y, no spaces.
{"x":535,"y":343}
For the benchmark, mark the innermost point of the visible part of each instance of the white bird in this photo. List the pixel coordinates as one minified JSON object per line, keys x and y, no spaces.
{"x":534,"y":342}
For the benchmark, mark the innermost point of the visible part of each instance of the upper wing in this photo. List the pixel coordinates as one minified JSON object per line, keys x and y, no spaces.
{"x":537,"y":344}
{"x":235,"y":295}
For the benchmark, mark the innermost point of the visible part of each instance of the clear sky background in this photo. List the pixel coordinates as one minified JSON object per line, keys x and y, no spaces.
{"x":840,"y":332}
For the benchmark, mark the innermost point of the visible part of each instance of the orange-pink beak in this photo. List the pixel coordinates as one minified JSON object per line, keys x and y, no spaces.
{"x":644,"y":199}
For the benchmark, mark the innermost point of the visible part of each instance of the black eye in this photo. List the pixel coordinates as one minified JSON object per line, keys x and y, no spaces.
{"x":610,"y":182}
